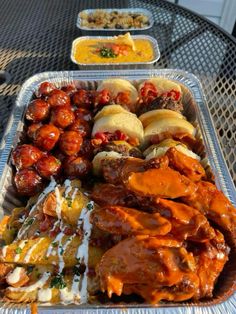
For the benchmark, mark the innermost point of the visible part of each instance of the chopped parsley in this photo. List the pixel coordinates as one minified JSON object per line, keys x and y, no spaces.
{"x":107,"y":53}
{"x":58,"y":282}
{"x":69,"y":201}
{"x":30,"y":269}
{"x":18,"y":250}
{"x":79,"y":269}
{"x":29,"y":221}
{"x":90,"y":206}
{"x":54,"y":244}
{"x":58,"y":162}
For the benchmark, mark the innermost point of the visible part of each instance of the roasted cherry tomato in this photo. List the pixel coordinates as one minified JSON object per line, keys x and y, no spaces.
{"x":58,"y":98}
{"x":83,"y":114}
{"x":62,"y":117}
{"x":86,"y":149}
{"x":81,"y":126}
{"x":37,"y":111}
{"x":148,"y":92}
{"x":175,"y":95}
{"x":45,"y":89}
{"x":76,"y":167}
{"x":69,"y":89}
{"x":25,"y":156}
{"x":48,"y":166}
{"x":47,"y":136}
{"x":70,"y":142}
{"x":31,"y":132}
{"x":103,"y":97}
{"x":123,"y":98}
{"x":83,"y":98}
{"x":28,"y":182}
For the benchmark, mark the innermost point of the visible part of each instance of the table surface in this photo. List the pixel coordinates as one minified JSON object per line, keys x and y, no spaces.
{"x":36,"y":36}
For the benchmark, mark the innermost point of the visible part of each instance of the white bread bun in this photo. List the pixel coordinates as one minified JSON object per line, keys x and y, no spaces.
{"x":109,"y":110}
{"x":162,"y":85}
{"x":116,"y":85}
{"x":168,"y":125}
{"x":127,"y":123}
{"x":154,"y":115}
{"x":158,"y":150}
{"x":101,"y":156}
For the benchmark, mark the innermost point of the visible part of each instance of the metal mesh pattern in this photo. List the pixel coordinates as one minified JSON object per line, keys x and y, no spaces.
{"x":36,"y":36}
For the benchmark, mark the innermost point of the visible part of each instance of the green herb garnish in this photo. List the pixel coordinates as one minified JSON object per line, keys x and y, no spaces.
{"x":58,"y":162}
{"x":54,"y":244}
{"x":89,"y":206}
{"x":107,"y":53}
{"x":30,"y":269}
{"x":18,"y":250}
{"x":29,"y":221}
{"x":58,"y":282}
{"x":76,"y":270}
{"x":69,"y":201}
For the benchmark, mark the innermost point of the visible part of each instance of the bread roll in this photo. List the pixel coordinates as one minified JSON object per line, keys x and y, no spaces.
{"x":154,"y":115}
{"x":127,"y":123}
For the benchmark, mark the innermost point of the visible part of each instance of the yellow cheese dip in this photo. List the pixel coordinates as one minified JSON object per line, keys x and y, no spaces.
{"x":87,"y":51}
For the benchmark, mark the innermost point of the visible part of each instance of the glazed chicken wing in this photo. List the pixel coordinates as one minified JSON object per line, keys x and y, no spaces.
{"x":187,"y":222}
{"x":214,"y":205}
{"x":211,"y":257}
{"x":109,"y":194}
{"x":185,"y":290}
{"x":186,"y":165}
{"x":142,"y":260}
{"x":115,"y":171}
{"x":128,"y":221}
{"x":162,"y":182}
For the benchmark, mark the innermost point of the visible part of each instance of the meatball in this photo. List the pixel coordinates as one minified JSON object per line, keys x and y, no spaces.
{"x":47,"y":136}
{"x":38,"y":110}
{"x":45,"y":89}
{"x":83,"y":114}
{"x":69,"y":89}
{"x":58,"y":98}
{"x":81,"y":126}
{"x":70,"y":142}
{"x":25,"y":156}
{"x":83,"y":98}
{"x":48,"y":166}
{"x":62,"y":117}
{"x":28,"y":182}
{"x":31,"y":132}
{"x":76,"y":167}
{"x":86,"y":149}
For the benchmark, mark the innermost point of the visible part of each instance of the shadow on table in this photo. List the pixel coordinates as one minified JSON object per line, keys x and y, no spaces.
{"x":21,"y":69}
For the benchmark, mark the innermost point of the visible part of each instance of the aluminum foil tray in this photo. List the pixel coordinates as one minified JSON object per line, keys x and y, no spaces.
{"x":111,"y":31}
{"x":124,"y":65}
{"x":223,"y":301}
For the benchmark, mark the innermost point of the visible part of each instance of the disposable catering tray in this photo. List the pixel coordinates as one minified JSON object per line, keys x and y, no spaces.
{"x":120,"y":65}
{"x":112,"y":31}
{"x":196,"y":110}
